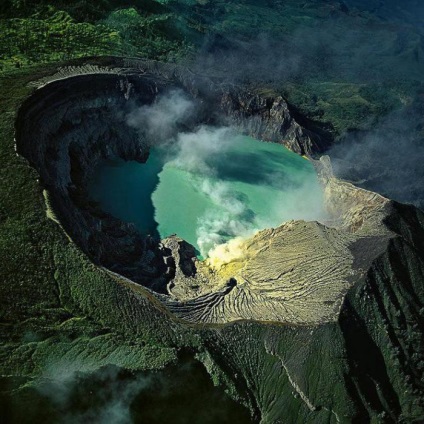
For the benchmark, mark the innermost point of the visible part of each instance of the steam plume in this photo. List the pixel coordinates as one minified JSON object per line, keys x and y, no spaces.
{"x":207,"y":153}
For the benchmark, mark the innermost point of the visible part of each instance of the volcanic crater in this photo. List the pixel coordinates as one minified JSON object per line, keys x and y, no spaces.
{"x":297,"y":273}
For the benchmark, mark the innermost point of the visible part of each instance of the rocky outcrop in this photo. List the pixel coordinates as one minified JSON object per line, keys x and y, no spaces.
{"x":269,"y":118}
{"x":382,"y":321}
{"x":299,"y":272}
{"x":64,"y":134}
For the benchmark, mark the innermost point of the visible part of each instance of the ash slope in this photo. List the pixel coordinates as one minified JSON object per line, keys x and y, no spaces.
{"x":370,"y":352}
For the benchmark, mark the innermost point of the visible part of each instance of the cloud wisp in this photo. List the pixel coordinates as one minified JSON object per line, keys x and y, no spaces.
{"x":231,"y":174}
{"x":110,"y":395}
{"x":386,"y":159}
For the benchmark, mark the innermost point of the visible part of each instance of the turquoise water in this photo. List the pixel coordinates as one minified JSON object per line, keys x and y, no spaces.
{"x":209,"y":187}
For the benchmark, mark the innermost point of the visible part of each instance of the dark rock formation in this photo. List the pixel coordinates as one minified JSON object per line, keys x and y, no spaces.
{"x":269,"y":118}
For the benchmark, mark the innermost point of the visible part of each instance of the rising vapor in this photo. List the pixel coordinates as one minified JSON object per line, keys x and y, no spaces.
{"x":206,"y":154}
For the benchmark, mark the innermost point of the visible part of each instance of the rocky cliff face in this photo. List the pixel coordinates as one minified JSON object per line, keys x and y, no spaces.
{"x":269,"y":118}
{"x":349,"y":291}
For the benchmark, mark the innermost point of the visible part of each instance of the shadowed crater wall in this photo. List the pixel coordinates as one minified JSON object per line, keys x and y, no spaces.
{"x":65,"y":130}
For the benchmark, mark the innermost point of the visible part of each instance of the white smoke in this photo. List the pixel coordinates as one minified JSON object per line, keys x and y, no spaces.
{"x":193,"y":149}
{"x":230,"y":217}
{"x":206,"y":154}
{"x":160,"y":120}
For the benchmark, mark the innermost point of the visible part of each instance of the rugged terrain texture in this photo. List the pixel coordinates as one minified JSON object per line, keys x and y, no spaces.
{"x":357,"y":355}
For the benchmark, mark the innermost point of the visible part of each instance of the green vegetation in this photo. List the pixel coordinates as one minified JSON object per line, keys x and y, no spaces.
{"x":44,"y":277}
{"x":344,"y":106}
{"x":46,"y":34}
{"x":50,"y":38}
{"x":329,"y":61}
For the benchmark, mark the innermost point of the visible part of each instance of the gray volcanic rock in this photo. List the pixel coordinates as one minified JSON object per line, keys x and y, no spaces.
{"x":66,"y":134}
{"x":297,"y":273}
{"x":270,"y":119}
